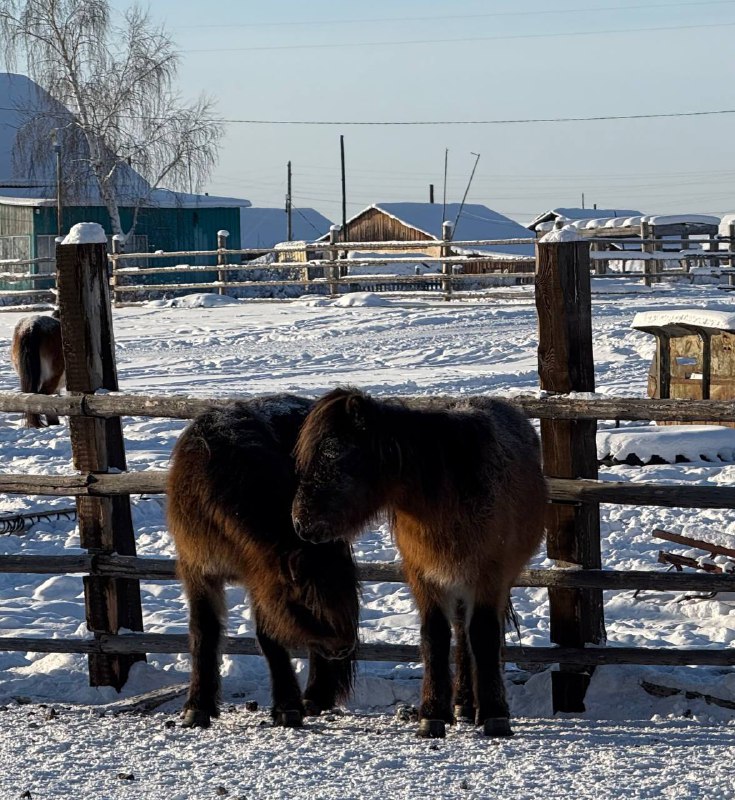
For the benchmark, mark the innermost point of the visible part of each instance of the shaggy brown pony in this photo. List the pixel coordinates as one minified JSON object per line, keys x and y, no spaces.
{"x":230,"y":491}
{"x":38,"y":359}
{"x":462,"y":482}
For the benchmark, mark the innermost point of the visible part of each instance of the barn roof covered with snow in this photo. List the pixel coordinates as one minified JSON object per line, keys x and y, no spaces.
{"x":475,"y":222}
{"x":267,"y":227}
{"x":25,"y":181}
{"x":573,"y":214}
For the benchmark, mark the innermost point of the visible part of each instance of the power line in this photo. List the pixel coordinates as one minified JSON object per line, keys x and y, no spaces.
{"x":462,"y":40}
{"x":442,"y":17}
{"x":519,"y":121}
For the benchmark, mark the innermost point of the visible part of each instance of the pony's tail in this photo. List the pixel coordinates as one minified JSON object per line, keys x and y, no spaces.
{"x":29,"y":370}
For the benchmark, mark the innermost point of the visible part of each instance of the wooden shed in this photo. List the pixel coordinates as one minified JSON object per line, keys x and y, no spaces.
{"x":412,"y":222}
{"x":695,"y":354}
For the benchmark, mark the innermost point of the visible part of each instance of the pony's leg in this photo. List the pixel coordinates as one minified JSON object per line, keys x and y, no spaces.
{"x":486,"y":638}
{"x":436,"y":690}
{"x":329,"y":682}
{"x":464,"y":695}
{"x":206,"y":614}
{"x":287,"y":709}
{"x":50,"y":387}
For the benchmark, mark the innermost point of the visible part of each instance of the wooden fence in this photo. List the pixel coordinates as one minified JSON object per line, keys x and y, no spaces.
{"x":102,"y":488}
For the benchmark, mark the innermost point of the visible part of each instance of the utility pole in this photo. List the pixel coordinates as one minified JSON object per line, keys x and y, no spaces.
{"x":444,"y":206}
{"x":582,"y":199}
{"x":431,"y":193}
{"x":344,"y":187}
{"x":59,"y":209}
{"x":289,"y":228}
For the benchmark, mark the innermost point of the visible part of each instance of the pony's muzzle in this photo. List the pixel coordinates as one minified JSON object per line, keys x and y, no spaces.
{"x":316,"y":534}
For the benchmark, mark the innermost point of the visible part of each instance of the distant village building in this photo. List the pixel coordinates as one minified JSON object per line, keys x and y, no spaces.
{"x":267,"y":227}
{"x":411,"y":222}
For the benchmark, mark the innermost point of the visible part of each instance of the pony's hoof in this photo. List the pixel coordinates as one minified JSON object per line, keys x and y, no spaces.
{"x":194,"y":718}
{"x":312,"y":709}
{"x":292,"y":718}
{"x":432,"y":729}
{"x":497,"y":726}
{"x":464,"y":713}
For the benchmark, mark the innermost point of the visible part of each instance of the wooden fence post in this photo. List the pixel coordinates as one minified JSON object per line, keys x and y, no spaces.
{"x":105,"y":524}
{"x":563,"y":302}
{"x":222,"y":260}
{"x":447,"y":230}
{"x":647,"y":247}
{"x":731,"y":248}
{"x":118,"y":246}
{"x":332,"y":269}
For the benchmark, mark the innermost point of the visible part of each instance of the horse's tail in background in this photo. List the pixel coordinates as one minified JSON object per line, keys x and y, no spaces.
{"x":28,"y":363}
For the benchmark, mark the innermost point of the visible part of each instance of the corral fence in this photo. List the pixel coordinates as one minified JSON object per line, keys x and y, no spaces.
{"x":455,"y":267}
{"x":102,"y":487}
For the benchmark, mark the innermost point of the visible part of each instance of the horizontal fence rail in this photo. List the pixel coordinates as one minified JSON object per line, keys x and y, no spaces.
{"x":538,"y":407}
{"x":561,"y":490}
{"x":368,"y":651}
{"x":164,"y":569}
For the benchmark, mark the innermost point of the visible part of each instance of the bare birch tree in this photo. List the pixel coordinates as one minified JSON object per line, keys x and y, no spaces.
{"x":120,"y":121}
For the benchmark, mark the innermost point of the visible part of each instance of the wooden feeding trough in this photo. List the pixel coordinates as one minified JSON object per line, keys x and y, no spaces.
{"x":695,"y":355}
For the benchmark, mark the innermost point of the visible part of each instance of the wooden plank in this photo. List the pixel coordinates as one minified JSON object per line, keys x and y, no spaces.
{"x":700,"y":544}
{"x":164,"y":569}
{"x":544,"y":407}
{"x":564,"y":306}
{"x":105,"y":523}
{"x":178,"y":643}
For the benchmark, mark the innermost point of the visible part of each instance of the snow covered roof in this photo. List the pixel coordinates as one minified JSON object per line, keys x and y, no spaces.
{"x":21,"y":99}
{"x":725,"y":222}
{"x":475,"y":222}
{"x":266,"y":227}
{"x":571,"y":214}
{"x":696,"y":317}
{"x":159,"y":198}
{"x":697,"y":223}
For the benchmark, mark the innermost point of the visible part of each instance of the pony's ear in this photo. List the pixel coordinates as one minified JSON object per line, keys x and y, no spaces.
{"x":358,"y":407}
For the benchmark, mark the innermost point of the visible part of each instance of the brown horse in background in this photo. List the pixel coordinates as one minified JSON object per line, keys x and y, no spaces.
{"x":38,"y":358}
{"x":230,"y":489}
{"x":462,"y":482}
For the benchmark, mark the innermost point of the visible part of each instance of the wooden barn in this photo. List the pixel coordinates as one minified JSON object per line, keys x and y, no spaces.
{"x":411,"y":222}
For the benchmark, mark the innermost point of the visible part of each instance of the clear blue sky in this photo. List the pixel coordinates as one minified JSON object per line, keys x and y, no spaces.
{"x":509,"y":59}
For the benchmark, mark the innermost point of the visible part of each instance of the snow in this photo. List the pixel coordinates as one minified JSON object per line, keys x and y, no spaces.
{"x":668,"y":442}
{"x":564,"y":234}
{"x":627,"y":743}
{"x":570,"y":214}
{"x":199,"y":300}
{"x":86,"y":233}
{"x":699,"y":317}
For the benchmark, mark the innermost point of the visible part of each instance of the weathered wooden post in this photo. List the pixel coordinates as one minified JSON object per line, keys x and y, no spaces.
{"x":446,"y":251}
{"x":105,"y":524}
{"x":332,"y":269}
{"x":222,"y":260}
{"x":118,"y":246}
{"x":563,"y":303}
{"x":647,"y":248}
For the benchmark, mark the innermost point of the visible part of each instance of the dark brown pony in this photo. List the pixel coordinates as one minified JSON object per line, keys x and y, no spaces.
{"x":462,"y":482}
{"x":38,"y":359}
{"x":230,"y":491}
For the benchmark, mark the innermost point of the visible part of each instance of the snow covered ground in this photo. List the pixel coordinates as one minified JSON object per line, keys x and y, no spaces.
{"x":627,"y":744}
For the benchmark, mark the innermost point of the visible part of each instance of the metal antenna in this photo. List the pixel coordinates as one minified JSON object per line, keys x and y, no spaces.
{"x":469,"y":183}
